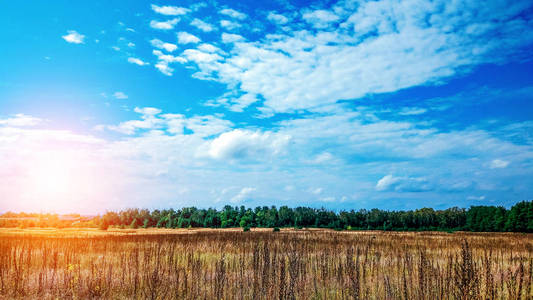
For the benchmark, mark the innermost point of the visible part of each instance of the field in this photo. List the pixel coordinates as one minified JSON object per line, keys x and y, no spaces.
{"x":261,"y":264}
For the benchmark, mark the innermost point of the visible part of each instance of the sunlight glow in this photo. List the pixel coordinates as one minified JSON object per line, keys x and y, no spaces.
{"x":51,"y":176}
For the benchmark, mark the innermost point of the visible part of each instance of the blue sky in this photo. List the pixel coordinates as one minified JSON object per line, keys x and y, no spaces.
{"x":337,"y":104}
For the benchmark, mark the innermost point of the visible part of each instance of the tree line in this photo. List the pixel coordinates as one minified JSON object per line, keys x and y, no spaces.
{"x":519,"y":218}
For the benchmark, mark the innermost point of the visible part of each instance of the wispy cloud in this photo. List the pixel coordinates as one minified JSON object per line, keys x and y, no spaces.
{"x":320,"y":18}
{"x":402,"y":184}
{"x":244,"y":194}
{"x":20,"y":120}
{"x":137,"y":61}
{"x":164,"y":60}
{"x":498,"y":164}
{"x":233,"y":13}
{"x":162,"y":45}
{"x":305,"y":69}
{"x":120,"y":95}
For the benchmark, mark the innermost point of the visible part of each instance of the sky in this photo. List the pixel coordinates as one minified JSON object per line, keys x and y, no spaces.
{"x":387,"y":104}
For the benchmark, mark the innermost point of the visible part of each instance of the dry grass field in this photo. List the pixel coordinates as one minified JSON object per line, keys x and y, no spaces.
{"x":261,"y":264}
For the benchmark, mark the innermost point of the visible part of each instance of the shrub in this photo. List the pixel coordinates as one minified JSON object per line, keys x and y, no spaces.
{"x":103,"y":225}
{"x":246,"y":228}
{"x":134,"y":224}
{"x":275,"y":229}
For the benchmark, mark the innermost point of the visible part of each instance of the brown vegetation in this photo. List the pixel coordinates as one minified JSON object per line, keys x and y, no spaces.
{"x":291,"y":264}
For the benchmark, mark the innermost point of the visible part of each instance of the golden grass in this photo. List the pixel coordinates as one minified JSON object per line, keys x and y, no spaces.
{"x":47,"y":263}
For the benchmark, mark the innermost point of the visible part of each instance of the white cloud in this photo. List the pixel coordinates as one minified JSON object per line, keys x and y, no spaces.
{"x":162,"y":45}
{"x":231,"y":38}
{"x":205,"y":27}
{"x":187,"y":38}
{"x":20,"y":120}
{"x":498,"y":164}
{"x":320,"y":18}
{"x":120,"y":95}
{"x":240,"y":103}
{"x":200,"y":57}
{"x":170,"y":10}
{"x":208,"y":48}
{"x":131,"y":45}
{"x":412,"y":111}
{"x":382,"y":45}
{"x":164,"y":60}
{"x":243,"y":195}
{"x":229,"y":25}
{"x":164,"y":25}
{"x":148,"y":121}
{"x":166,"y":153}
{"x":137,"y":61}
{"x":402,"y":184}
{"x":476,"y":198}
{"x":316,"y":191}
{"x":233,"y":13}
{"x":205,"y":126}
{"x":324,"y":157}
{"x":74,"y":37}
{"x":147,"y":111}
{"x":241,"y":144}
{"x":168,"y":58}
{"x":277,"y":18}
{"x":164,"y":68}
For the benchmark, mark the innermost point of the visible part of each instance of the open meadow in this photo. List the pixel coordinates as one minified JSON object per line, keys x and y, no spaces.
{"x":261,"y":264}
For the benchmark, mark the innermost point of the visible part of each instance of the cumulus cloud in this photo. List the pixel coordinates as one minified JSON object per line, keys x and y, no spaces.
{"x":241,"y":144}
{"x":231,"y":38}
{"x":229,"y":25}
{"x":162,"y":45}
{"x":164,"y":25}
{"x":233,"y":13}
{"x":208,"y":48}
{"x":205,"y":27}
{"x":170,"y":10}
{"x":137,"y":61}
{"x":402,"y":184}
{"x":187,"y":38}
{"x":277,"y":18}
{"x":74,"y":37}
{"x":200,"y":56}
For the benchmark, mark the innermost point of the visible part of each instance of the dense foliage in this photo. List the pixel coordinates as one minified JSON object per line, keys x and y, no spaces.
{"x":477,"y":218}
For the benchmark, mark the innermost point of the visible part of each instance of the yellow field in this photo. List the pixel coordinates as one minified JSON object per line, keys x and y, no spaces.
{"x":261,"y":264}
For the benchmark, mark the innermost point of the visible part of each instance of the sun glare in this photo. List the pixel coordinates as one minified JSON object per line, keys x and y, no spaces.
{"x":51,"y":179}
